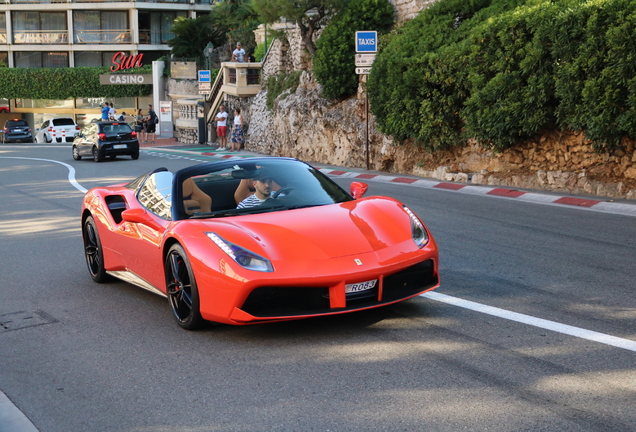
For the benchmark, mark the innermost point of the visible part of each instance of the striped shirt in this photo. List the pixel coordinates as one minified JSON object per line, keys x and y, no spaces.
{"x":251,"y":201}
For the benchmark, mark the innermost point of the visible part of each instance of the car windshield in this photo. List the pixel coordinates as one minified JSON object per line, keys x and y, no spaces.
{"x":63,"y":122}
{"x":14,"y":123}
{"x":279,"y":184}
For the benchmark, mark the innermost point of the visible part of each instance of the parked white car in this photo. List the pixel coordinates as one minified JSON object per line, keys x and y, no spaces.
{"x":61,"y":129}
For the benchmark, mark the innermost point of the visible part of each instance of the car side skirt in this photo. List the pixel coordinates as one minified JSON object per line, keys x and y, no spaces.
{"x":132,"y":278}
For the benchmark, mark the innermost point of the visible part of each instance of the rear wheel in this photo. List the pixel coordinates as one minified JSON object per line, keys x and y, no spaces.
{"x":183,"y":294}
{"x":76,"y":154}
{"x":97,"y":155}
{"x":135,"y":155}
{"x":46,"y":140}
{"x":93,"y":251}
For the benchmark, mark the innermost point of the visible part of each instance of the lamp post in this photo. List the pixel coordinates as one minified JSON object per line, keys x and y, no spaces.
{"x":207,"y":52}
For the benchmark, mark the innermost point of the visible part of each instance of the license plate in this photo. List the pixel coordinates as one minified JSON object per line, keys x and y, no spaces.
{"x":360,"y":286}
{"x":120,"y":146}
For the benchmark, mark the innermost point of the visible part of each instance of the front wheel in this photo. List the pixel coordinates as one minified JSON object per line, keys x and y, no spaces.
{"x":76,"y":154}
{"x":93,"y":251}
{"x":183,"y":294}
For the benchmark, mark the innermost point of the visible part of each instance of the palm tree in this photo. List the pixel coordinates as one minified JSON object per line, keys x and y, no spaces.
{"x":192,"y":35}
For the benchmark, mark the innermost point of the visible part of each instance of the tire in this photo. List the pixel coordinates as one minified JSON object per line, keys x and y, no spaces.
{"x":93,"y":251}
{"x":135,"y":155}
{"x":76,"y":154}
{"x":97,"y":155}
{"x":47,"y":140}
{"x":183,"y":295}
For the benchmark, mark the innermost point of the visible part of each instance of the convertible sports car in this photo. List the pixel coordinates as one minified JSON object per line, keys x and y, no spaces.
{"x":309,"y":249}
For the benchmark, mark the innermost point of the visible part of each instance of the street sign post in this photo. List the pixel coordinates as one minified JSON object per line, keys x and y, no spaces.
{"x":363,"y":70}
{"x":204,"y":76}
{"x":366,"y":41}
{"x":364,"y":59}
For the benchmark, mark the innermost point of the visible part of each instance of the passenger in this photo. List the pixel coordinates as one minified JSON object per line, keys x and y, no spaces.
{"x":194,"y":197}
{"x":263,"y":190}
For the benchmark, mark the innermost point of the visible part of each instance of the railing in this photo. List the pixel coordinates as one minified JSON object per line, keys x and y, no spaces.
{"x":103,"y":36}
{"x":237,"y":79}
{"x":154,"y":37}
{"x":39,"y":37}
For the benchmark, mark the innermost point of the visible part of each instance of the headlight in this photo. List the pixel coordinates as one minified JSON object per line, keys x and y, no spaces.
{"x":420,"y":237}
{"x":242,"y":256}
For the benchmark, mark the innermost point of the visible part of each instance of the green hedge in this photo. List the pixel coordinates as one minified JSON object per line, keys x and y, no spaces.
{"x":334,"y":62}
{"x":65,"y":83}
{"x":504,"y":71}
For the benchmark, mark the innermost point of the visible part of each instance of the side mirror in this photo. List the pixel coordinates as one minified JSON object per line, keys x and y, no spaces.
{"x":141,"y":216}
{"x":358,"y":189}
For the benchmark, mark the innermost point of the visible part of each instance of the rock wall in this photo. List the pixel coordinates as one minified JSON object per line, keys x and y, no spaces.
{"x":408,"y":9}
{"x":306,"y":126}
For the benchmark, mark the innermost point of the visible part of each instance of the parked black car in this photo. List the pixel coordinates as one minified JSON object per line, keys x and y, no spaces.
{"x":17,"y":130}
{"x":106,"y":138}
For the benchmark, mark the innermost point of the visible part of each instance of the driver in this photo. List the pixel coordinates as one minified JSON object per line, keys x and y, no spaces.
{"x":263,"y":190}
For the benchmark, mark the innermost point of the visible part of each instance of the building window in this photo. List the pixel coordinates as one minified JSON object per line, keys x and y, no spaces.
{"x":4,"y":59}
{"x":39,"y":59}
{"x":3,"y":28}
{"x":39,"y":27}
{"x":95,"y":27}
{"x":94,"y":58}
{"x":155,"y":27}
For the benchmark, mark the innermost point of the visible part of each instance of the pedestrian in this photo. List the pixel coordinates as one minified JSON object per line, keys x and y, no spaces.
{"x":238,"y":55}
{"x":151,"y":124}
{"x":221,"y":128}
{"x":111,"y":112}
{"x":250,"y":56}
{"x":105,"y":111}
{"x":237,"y":132}
{"x":139,"y":121}
{"x":122,"y":117}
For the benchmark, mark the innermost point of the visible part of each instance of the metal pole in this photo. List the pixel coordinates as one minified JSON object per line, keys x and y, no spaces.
{"x":366,"y":135}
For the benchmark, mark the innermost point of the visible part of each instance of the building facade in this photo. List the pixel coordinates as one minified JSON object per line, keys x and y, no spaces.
{"x":75,"y":33}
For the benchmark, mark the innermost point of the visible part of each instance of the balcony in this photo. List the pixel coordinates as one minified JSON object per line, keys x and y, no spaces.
{"x":154,"y":37}
{"x":241,"y":79}
{"x":39,"y":37}
{"x":103,"y":36}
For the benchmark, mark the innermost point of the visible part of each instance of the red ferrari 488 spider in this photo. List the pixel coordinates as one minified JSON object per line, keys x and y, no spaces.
{"x":257,"y":240}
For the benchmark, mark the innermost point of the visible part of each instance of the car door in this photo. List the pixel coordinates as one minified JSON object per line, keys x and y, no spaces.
{"x":87,"y":139}
{"x":144,"y":226}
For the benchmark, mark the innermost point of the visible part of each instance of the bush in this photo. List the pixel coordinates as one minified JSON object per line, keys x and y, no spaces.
{"x":65,"y":83}
{"x":278,"y":84}
{"x":334,"y":62}
{"x":504,"y":71}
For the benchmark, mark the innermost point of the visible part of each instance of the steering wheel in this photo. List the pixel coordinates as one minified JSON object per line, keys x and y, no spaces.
{"x":284,"y":190}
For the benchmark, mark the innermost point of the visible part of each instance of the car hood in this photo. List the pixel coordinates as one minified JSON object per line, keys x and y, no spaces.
{"x":324,"y":232}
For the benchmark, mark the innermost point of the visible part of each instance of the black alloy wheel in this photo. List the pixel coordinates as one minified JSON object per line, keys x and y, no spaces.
{"x":93,"y":251}
{"x":97,"y":155}
{"x":183,"y":294}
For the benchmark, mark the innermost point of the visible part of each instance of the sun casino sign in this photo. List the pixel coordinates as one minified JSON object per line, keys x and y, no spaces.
{"x":121,"y":62}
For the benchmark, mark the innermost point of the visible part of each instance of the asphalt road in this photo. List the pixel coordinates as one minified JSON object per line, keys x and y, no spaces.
{"x":78,"y":356}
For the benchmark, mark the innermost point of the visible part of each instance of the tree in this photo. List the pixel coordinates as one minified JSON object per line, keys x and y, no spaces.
{"x":307,"y":14}
{"x":334,"y":64}
{"x":236,"y":20}
{"x":192,"y":35}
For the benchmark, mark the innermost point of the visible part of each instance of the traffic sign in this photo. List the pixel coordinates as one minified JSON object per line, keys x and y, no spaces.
{"x":364,"y":59}
{"x":363,"y":70}
{"x":367,"y":41}
{"x":204,"y":76}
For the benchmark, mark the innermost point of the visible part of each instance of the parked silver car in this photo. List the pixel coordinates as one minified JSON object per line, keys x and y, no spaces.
{"x":61,"y":129}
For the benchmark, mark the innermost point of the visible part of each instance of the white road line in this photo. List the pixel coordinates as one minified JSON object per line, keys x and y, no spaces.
{"x":71,"y":170}
{"x":603,"y":338}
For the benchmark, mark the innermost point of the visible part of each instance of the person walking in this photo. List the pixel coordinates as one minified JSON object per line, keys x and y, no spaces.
{"x":151,"y":124}
{"x":111,"y":112}
{"x":105,"y":111}
{"x":221,"y":128}
{"x":237,"y":132}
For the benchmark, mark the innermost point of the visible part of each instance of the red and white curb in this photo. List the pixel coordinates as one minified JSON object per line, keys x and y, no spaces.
{"x":498,"y":192}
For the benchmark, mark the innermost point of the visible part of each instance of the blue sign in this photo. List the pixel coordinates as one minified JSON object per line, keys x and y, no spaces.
{"x":367,"y":41}
{"x":204,"y":76}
